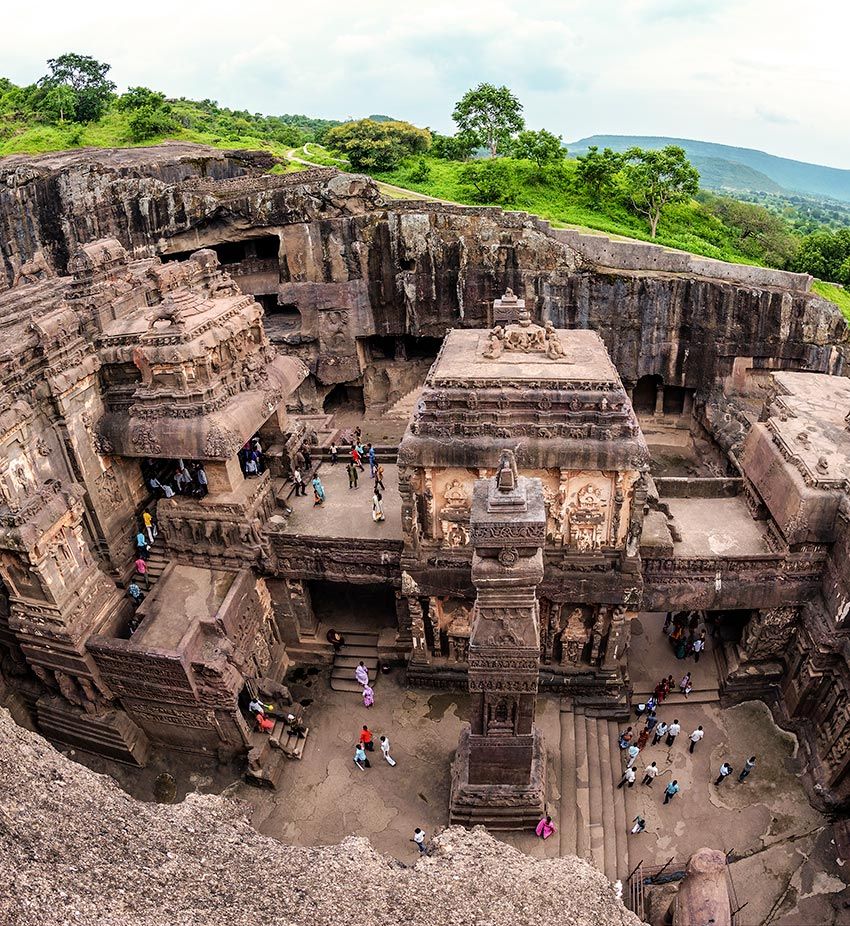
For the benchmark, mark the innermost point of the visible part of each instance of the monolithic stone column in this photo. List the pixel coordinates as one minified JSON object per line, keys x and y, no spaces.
{"x":498,"y":777}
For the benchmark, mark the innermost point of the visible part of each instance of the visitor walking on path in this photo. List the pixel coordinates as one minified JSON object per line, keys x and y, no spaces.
{"x":638,"y":825}
{"x":699,"y":645}
{"x":695,"y":737}
{"x":360,"y":758}
{"x":366,"y":739}
{"x":628,"y":778}
{"x":372,"y":466}
{"x":625,"y":738}
{"x":419,"y":839}
{"x":135,"y":593}
{"x":660,"y":731}
{"x":355,"y":458}
{"x":685,"y":684}
{"x":142,"y":546}
{"x":298,"y":479}
{"x":150,"y":526}
{"x":318,"y":491}
{"x":361,"y":673}
{"x":385,"y":751}
{"x":725,"y":771}
{"x":651,"y":720}
{"x":351,"y":469}
{"x":671,"y":791}
{"x":377,"y":506}
{"x":643,"y":738}
{"x":749,"y":765}
{"x":545,"y":827}
{"x":672,"y":732}
{"x":634,"y":752}
{"x":334,"y":454}
{"x":368,"y":696}
{"x":379,"y":477}
{"x":142,"y":570}
{"x":650,"y":773}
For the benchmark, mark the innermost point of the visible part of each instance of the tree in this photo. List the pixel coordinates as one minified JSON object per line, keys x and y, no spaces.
{"x":491,"y":114}
{"x":597,"y":171}
{"x":377,"y":146}
{"x":654,"y":179}
{"x":86,"y":77}
{"x":541,"y":147}
{"x":825,"y":255}
{"x":457,"y":147}
{"x":490,"y":181}
{"x":761,"y":234}
{"x":137,"y":97}
{"x":150,"y":121}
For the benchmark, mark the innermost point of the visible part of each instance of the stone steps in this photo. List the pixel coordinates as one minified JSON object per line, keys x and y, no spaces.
{"x":593,"y":822}
{"x":405,"y":406}
{"x":360,"y":646}
{"x":705,"y":695}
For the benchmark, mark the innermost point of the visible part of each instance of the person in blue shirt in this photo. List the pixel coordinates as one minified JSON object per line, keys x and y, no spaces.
{"x":371,"y":461}
{"x":671,"y":791}
{"x":318,"y":491}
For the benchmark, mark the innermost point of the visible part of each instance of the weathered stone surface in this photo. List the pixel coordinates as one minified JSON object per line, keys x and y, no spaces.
{"x":74,"y":846}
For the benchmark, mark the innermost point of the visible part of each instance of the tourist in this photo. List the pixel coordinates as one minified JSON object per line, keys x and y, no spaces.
{"x":749,"y":765}
{"x":379,"y":477}
{"x":142,"y":570}
{"x":142,"y":546}
{"x":368,"y":696}
{"x":634,"y":752}
{"x":361,"y":673}
{"x":545,"y":827}
{"x":651,"y":720}
{"x":298,"y":479}
{"x":419,"y":839}
{"x":669,"y":684}
{"x":725,"y":771}
{"x":294,"y":726}
{"x":629,"y":776}
{"x":352,"y":475}
{"x":264,"y":724}
{"x":167,"y":491}
{"x":150,"y":526}
{"x":672,"y":732}
{"x":318,"y":491}
{"x":361,"y":760}
{"x":377,"y":506}
{"x":699,"y":645}
{"x":647,"y":707}
{"x":135,"y":594}
{"x":625,"y":738}
{"x":358,"y":435}
{"x":366,"y":739}
{"x":685,"y":684}
{"x":671,"y":791}
{"x":695,"y":737}
{"x":660,"y":731}
{"x":183,"y":480}
{"x":643,"y":738}
{"x":650,"y":773}
{"x":256,"y":706}
{"x":639,"y":825}
{"x":336,"y":640}
{"x":668,"y":623}
{"x":251,"y":471}
{"x":372,"y":466}
{"x":155,"y":485}
{"x":203,"y":482}
{"x":355,"y":457}
{"x":385,"y":751}
{"x":334,"y":454}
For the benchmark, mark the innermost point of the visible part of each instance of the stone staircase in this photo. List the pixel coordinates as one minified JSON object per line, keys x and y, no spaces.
{"x":156,"y":563}
{"x":358,"y":646}
{"x":700,"y":694}
{"x":404,"y":407}
{"x":593,"y":821}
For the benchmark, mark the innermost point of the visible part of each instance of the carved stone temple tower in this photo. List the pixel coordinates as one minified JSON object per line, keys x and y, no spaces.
{"x":498,"y":778}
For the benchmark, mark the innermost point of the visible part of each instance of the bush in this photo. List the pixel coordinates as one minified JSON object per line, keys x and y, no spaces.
{"x":420,"y":172}
{"x":148,"y":122}
{"x":491,"y":181}
{"x":370,"y":145}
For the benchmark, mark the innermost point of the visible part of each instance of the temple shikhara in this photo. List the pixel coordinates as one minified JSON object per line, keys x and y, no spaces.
{"x":577,"y":438}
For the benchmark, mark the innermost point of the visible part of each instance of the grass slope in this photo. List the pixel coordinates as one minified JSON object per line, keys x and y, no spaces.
{"x":789,"y":174}
{"x":835,"y":294}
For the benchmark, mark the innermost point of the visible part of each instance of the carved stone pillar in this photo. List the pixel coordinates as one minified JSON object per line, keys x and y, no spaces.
{"x":618,"y":639}
{"x":768,"y":633}
{"x":498,"y":776}
{"x":659,"y":400}
{"x":421,"y":652}
{"x":306,"y":621}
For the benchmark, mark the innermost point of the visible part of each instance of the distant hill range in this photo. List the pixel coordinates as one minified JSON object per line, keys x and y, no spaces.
{"x":724,"y":167}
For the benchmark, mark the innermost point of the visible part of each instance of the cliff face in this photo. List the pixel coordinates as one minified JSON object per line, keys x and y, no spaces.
{"x":75,"y":848}
{"x":355,"y":266}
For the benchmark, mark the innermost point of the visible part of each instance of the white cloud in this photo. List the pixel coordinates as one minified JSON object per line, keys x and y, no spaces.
{"x":767,"y":74}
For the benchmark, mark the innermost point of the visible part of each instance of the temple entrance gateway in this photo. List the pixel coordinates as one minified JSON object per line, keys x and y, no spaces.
{"x":346,"y":606}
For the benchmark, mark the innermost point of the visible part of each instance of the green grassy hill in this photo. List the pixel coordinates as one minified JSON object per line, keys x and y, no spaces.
{"x":784,"y":173}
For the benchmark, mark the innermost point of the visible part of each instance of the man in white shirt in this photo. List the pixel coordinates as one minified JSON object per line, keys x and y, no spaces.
{"x":650,"y":773}
{"x":672,"y":732}
{"x":628,"y":778}
{"x":725,"y":771}
{"x":385,"y":750}
{"x":660,"y":731}
{"x":695,"y":737}
{"x":699,"y":646}
{"x":361,"y":673}
{"x":419,"y":839}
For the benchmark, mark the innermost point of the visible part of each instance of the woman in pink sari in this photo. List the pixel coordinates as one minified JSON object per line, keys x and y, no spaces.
{"x":368,"y":696}
{"x":545,"y":828}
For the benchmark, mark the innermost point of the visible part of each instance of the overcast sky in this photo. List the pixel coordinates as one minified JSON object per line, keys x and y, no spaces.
{"x":768,"y":74}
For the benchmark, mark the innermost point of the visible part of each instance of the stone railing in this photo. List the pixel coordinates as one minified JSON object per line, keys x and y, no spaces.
{"x":334,"y":559}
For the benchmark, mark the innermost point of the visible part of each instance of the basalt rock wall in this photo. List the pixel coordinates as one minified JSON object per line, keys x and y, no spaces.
{"x":355,"y":265}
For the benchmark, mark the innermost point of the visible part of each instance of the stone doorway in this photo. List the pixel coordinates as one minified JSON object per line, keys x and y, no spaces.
{"x":345,"y":606}
{"x":346,"y":400}
{"x":645,"y":394}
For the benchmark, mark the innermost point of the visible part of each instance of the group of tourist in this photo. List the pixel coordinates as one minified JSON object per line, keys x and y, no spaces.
{"x":265,"y":715}
{"x":357,"y":454}
{"x":145,"y":536}
{"x":361,"y":674}
{"x":251,"y":458}
{"x":167,"y":479}
{"x":303,"y":473}
{"x":365,"y":744}
{"x":681,"y":629}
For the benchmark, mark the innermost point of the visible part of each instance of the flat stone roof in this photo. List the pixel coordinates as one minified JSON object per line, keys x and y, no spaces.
{"x":716,"y":527}
{"x":462,"y":358}
{"x":810,"y":426}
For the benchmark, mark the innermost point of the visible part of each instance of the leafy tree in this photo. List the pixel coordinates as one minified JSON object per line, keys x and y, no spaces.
{"x":150,"y":121}
{"x":377,"y":146}
{"x":654,"y":179}
{"x":492,"y":114}
{"x":597,"y":171}
{"x":86,"y":77}
{"x":492,"y":181}
{"x":761,"y":234}
{"x":137,"y":97}
{"x":453,"y":147}
{"x":825,"y":254}
{"x":541,"y":147}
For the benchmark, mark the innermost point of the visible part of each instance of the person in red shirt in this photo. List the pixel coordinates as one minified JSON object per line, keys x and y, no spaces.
{"x":355,"y":456}
{"x":366,"y":738}
{"x":142,"y":570}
